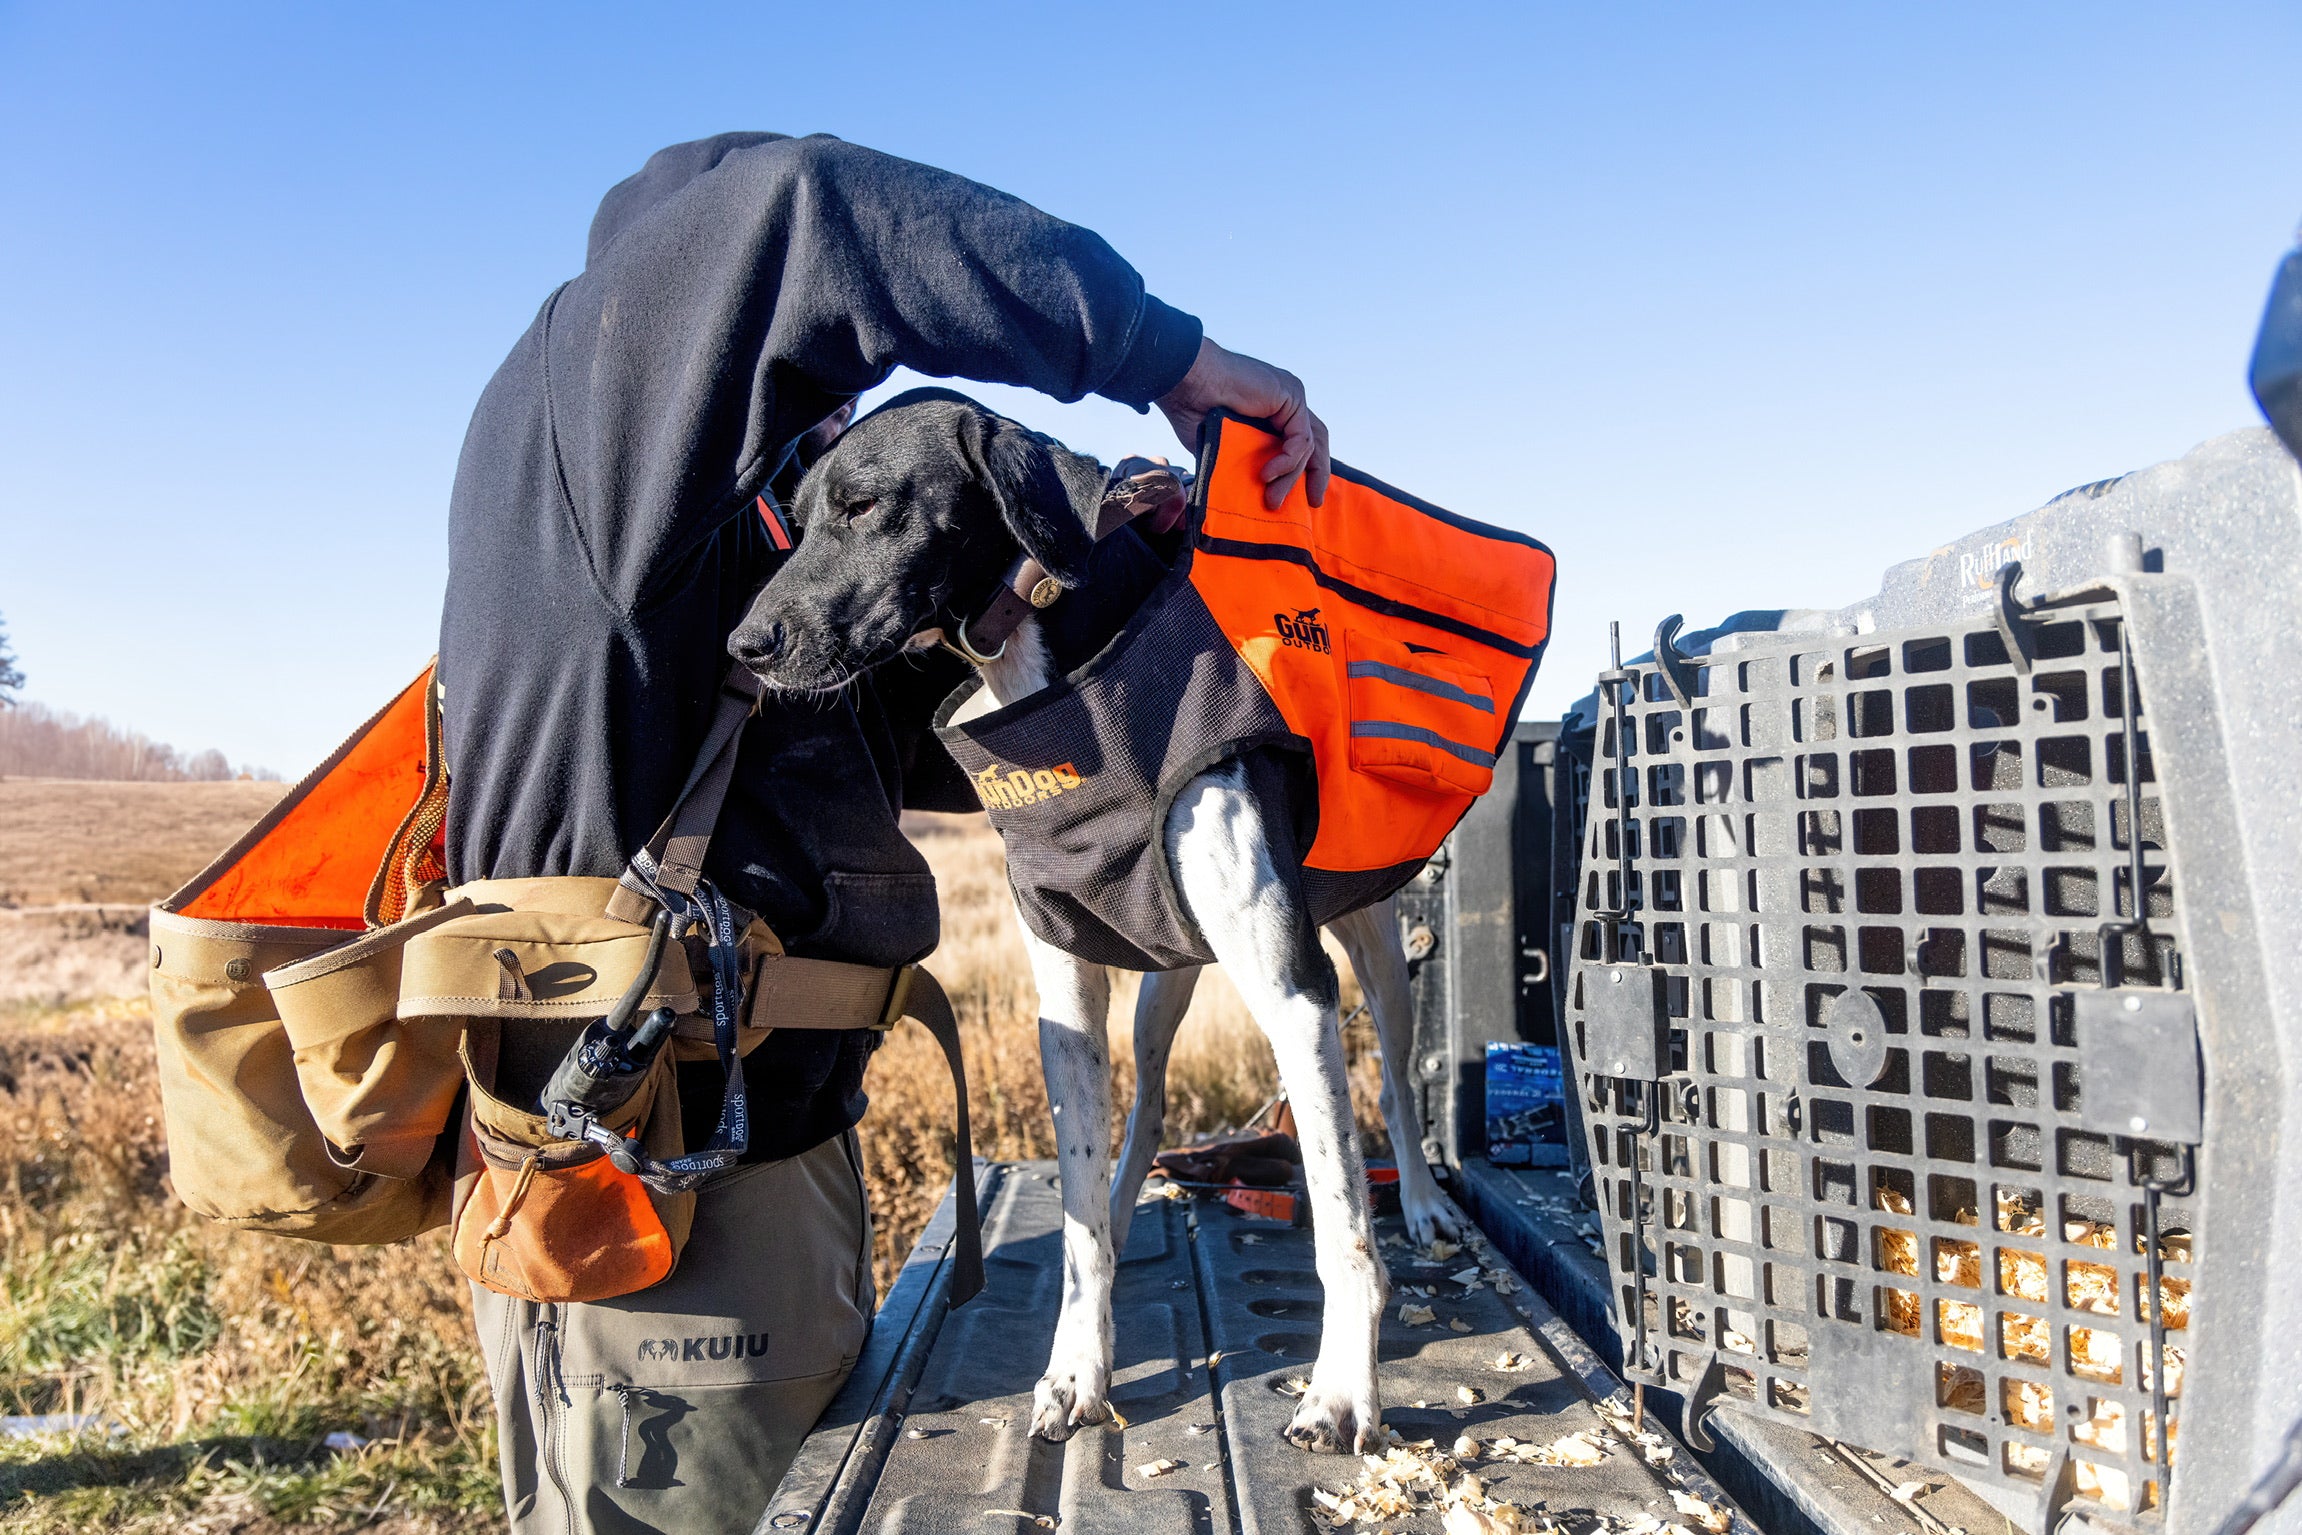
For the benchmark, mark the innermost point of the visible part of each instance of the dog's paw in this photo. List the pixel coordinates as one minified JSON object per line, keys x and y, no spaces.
{"x":1337,"y":1422}
{"x":1068,"y":1399}
{"x":1431,"y":1215}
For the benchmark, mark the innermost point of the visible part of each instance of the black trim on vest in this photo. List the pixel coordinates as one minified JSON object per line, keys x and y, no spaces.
{"x":1238,"y":549}
{"x":1451,"y":519}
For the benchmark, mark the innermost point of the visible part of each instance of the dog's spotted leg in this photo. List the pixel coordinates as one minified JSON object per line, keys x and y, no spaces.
{"x":1219,"y":846}
{"x":1074,"y":1052}
{"x":1371,"y":938}
{"x":1159,"y":1009}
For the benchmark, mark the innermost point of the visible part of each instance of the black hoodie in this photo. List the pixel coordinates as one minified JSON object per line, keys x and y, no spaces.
{"x":604,"y":537}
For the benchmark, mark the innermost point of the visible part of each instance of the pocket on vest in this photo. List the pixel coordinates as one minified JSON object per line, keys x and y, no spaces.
{"x":1420,"y":717}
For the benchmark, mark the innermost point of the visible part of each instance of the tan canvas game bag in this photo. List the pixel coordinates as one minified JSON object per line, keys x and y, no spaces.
{"x":327,"y":1016}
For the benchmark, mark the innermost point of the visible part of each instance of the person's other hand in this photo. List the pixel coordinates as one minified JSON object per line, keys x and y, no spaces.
{"x":1251,"y":388}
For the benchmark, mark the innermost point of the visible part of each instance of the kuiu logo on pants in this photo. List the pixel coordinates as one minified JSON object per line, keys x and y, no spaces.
{"x":692,"y":1350}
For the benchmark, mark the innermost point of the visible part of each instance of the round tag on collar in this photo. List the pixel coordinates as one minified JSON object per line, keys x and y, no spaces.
{"x":1044,"y":591}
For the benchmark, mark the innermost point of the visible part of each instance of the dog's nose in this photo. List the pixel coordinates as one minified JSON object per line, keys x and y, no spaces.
{"x":763,"y":643}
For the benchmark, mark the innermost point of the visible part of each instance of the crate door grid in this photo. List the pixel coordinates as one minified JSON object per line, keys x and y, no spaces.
{"x":1907,"y":815}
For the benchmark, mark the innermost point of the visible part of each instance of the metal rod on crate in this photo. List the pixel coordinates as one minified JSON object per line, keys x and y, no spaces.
{"x":2111,"y":971}
{"x":2111,"y":966}
{"x":1616,"y":681}
{"x":2154,"y":1268}
{"x":1652,"y":1093}
{"x":2129,"y":708}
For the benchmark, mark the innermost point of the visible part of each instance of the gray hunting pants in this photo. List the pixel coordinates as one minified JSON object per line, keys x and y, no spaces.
{"x":676,"y":1409}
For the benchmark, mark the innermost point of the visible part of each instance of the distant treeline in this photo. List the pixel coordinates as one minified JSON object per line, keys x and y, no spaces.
{"x":39,"y":742}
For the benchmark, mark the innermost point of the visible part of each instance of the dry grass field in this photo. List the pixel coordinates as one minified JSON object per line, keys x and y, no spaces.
{"x":215,"y":1367}
{"x":79,"y":862}
{"x":68,"y":841}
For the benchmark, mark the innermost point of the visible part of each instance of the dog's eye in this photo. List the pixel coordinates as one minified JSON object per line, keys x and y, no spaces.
{"x":855,"y":509}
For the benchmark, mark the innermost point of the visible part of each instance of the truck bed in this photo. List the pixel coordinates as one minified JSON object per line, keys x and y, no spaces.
{"x":1789,"y":1481}
{"x":1216,"y":1314}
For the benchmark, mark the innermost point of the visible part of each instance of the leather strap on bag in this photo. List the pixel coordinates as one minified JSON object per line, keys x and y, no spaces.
{"x":923,"y":1000}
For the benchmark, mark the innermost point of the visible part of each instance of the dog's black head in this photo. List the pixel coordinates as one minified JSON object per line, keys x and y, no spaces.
{"x":909,"y":522}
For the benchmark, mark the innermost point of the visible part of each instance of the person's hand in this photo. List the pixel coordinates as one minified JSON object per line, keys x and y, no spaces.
{"x":1250,"y":388}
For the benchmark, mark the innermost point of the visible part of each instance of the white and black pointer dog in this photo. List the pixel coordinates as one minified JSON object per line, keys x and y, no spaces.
{"x":915,"y":514}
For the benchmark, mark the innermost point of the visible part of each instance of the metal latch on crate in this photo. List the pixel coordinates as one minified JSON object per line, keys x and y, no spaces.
{"x":2139,"y":1082}
{"x":2138,"y":1065}
{"x":1626,"y":1021}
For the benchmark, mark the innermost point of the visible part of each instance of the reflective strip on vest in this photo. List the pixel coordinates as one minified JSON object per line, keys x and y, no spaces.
{"x":1392,"y":730}
{"x":1421,"y":684}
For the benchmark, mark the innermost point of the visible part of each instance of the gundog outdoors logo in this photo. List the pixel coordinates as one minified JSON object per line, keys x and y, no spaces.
{"x":1006,"y":788}
{"x":1303,"y":630}
{"x":734,"y":1345}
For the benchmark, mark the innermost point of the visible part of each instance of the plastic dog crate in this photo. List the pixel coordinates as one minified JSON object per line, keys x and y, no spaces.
{"x":1933,"y":1002}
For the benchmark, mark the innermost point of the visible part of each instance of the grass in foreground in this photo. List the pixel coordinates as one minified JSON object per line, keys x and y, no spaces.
{"x":213,"y":1366}
{"x":218,"y":1365}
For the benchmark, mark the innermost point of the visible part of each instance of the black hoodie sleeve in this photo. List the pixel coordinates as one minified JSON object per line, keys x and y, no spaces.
{"x":740,"y":288}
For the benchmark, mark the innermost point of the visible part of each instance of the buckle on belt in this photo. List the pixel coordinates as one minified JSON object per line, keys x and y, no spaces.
{"x":898,"y":993}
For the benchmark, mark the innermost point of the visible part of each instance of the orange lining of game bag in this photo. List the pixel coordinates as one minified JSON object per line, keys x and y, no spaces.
{"x":313,"y":861}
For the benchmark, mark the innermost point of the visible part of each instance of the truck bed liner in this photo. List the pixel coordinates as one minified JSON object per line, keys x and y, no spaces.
{"x":1792,"y":1482}
{"x":1215,"y":1313}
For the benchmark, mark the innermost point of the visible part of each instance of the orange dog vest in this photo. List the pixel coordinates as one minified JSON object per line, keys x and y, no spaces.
{"x":1379,"y":646}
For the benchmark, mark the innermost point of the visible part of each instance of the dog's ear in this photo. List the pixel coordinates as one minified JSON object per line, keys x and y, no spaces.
{"x":1036,"y":500}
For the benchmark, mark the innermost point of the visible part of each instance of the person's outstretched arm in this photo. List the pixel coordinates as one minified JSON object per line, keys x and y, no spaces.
{"x":740,"y":288}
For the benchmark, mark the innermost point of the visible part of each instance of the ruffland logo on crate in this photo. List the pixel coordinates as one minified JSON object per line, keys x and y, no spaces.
{"x":1978,"y":568}
{"x":1006,"y":788}
{"x":1303,"y":630}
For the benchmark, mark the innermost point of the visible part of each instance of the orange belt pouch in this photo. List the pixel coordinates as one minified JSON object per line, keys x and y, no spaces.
{"x":542,"y":1218}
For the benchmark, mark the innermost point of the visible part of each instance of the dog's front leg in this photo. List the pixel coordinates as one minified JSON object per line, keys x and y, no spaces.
{"x":1371,"y":938}
{"x":1159,"y":1009}
{"x":1074,"y":1053}
{"x":1220,"y":849}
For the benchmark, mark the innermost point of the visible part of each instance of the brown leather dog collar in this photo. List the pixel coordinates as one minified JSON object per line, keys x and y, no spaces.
{"x":1137,"y":488}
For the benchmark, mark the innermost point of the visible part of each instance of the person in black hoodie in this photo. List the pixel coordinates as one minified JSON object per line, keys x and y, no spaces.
{"x":615,"y":509}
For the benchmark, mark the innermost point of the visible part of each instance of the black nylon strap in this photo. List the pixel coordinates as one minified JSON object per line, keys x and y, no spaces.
{"x":673,"y":857}
{"x":731,"y":1137}
{"x":671,"y":865}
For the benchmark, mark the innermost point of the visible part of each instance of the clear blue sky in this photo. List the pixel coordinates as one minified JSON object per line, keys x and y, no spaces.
{"x":1732,"y":305}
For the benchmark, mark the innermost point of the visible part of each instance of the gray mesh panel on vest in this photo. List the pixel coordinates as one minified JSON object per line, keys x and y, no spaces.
{"x":1077,"y":778}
